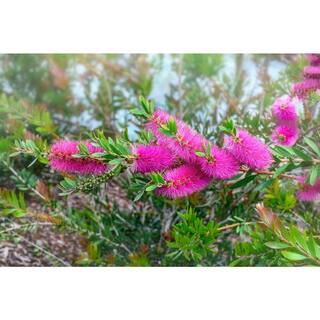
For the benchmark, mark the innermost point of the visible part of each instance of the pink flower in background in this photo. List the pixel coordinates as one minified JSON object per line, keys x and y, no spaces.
{"x":314,"y":58}
{"x":285,"y":135}
{"x":311,"y":72}
{"x":302,"y":89}
{"x":152,"y":158}
{"x":284,"y":109}
{"x":222,"y":165}
{"x":249,"y":150}
{"x":307,"y":191}
{"x":183,"y":181}
{"x":61,"y":158}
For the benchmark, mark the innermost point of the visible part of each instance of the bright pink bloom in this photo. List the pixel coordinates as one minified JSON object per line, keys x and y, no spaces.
{"x":152,"y":158}
{"x":186,"y":141}
{"x":284,"y":109}
{"x":307,"y":191}
{"x":302,"y":89}
{"x":183,"y":181}
{"x":222,"y":164}
{"x":285,"y":135}
{"x":158,"y":118}
{"x":249,"y":150}
{"x":311,"y":72}
{"x":313,"y":58}
{"x":61,"y":158}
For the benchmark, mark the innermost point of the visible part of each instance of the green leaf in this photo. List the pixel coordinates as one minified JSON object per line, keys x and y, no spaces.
{"x":281,"y":170}
{"x":152,"y":187}
{"x":139,"y":195}
{"x":312,"y":246}
{"x":243,"y":182}
{"x":115,"y":161}
{"x":301,"y":154}
{"x":277,"y":245}
{"x":293,"y":256}
{"x":200,"y":154}
{"x":313,"y":175}
{"x":264,"y":185}
{"x":312,"y":145}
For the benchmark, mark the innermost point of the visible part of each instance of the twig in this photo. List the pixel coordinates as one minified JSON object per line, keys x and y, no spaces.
{"x":20,"y":226}
{"x":24,"y":181}
{"x":231,"y":226}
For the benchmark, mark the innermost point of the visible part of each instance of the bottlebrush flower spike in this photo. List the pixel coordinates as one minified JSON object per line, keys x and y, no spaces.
{"x":284,"y":109}
{"x":307,"y":191}
{"x":149,"y":158}
{"x":221,"y":164}
{"x":159,"y":117}
{"x":183,"y":181}
{"x":285,"y":135}
{"x":61,"y":158}
{"x":314,"y":58}
{"x":311,"y":72}
{"x":185,"y":142}
{"x":302,"y":89}
{"x":249,"y":150}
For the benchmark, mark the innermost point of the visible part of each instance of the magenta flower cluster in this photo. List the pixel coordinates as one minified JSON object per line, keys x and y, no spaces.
{"x":308,"y":192}
{"x":190,"y":162}
{"x":286,"y":132}
{"x":62,"y":158}
{"x":311,"y":75}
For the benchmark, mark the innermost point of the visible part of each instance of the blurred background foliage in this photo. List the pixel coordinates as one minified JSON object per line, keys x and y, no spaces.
{"x":44,"y":97}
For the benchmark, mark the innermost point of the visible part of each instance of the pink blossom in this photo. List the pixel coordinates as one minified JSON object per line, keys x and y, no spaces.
{"x":285,"y":135}
{"x":311,"y":72}
{"x":152,"y":158}
{"x":249,"y":150}
{"x":158,"y":118}
{"x":313,"y":58}
{"x":284,"y":109}
{"x":61,"y":158}
{"x":302,"y":89}
{"x":307,"y":191}
{"x":183,"y":181}
{"x":221,"y":164}
{"x":186,"y":141}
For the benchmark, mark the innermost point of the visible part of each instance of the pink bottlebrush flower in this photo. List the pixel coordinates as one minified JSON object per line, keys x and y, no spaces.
{"x":152,"y":158}
{"x":221,"y":165}
{"x":302,"y":89}
{"x":307,"y":191}
{"x":311,"y":72}
{"x":183,"y":181}
{"x":284,"y":109}
{"x":249,"y":150}
{"x":61,"y":158}
{"x":314,"y":58}
{"x":285,"y":135}
{"x":184,"y":143}
{"x":158,"y":118}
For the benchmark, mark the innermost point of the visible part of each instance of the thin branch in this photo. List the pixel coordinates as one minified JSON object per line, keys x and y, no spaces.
{"x":24,"y":181}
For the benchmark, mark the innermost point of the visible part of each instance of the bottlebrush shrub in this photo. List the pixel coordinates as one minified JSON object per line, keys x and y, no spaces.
{"x":191,"y":196}
{"x":180,"y":160}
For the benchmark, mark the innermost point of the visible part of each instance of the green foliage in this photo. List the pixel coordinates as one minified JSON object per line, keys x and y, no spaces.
{"x":281,"y":198}
{"x":12,"y":204}
{"x":192,"y":238}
